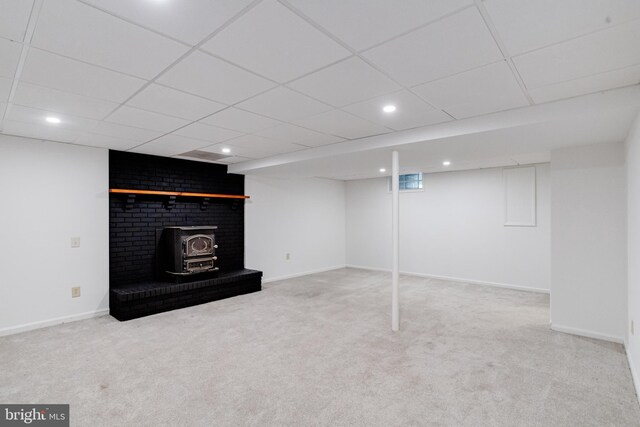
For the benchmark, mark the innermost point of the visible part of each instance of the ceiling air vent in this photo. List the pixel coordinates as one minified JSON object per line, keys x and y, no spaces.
{"x":204,"y":155}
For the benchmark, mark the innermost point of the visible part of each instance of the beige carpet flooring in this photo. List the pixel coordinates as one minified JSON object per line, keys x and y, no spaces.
{"x":318,"y":351}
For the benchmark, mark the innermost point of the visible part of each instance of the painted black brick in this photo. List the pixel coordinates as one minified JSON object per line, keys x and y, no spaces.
{"x":129,"y":302}
{"x":132,"y":232}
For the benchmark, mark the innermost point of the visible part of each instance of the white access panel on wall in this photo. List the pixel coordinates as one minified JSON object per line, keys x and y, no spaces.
{"x":520,"y":196}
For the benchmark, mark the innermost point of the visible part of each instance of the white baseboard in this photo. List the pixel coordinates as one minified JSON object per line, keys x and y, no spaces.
{"x":52,"y":322}
{"x":458,"y":279}
{"x":304,"y":273}
{"x":634,"y":373}
{"x":364,"y":267}
{"x":585,"y":333}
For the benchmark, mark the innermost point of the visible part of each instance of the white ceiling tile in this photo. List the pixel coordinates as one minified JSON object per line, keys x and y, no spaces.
{"x":240,"y":120}
{"x":37,"y":117}
{"x":257,"y":146}
{"x":73,"y":29}
{"x":5,"y":88}
{"x":169,"y":145}
{"x":276,"y":43}
{"x":104,"y":141}
{"x":14,"y":18}
{"x":32,"y":130}
{"x":130,"y":116}
{"x":125,"y":132}
{"x":54,"y":71}
{"x":188,"y":21}
{"x":198,"y":158}
{"x":480,"y":91}
{"x":247,"y":153}
{"x":298,"y":135}
{"x":457,"y":43}
{"x":231,"y":160}
{"x":210,"y":134}
{"x":9,"y":57}
{"x":204,"y":75}
{"x":594,"y":83}
{"x":595,"y":53}
{"x":30,"y":95}
{"x":164,"y":100}
{"x":411,"y":111}
{"x":235,"y":151}
{"x":347,"y":82}
{"x":252,"y":141}
{"x":283,"y":104}
{"x":363,"y":23}
{"x":525,"y":25}
{"x":340,"y":123}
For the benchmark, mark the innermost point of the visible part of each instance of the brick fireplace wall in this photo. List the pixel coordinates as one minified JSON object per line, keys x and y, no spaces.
{"x":133,"y":232}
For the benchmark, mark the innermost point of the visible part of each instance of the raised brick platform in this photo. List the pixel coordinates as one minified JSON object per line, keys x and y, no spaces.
{"x":142,"y":299}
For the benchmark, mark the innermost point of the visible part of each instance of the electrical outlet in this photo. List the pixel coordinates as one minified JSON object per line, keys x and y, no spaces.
{"x":632,"y":331}
{"x":75,"y":292}
{"x":75,"y":242}
{"x":287,"y":256}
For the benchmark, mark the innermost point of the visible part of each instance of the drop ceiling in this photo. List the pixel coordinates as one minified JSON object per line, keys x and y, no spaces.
{"x":511,"y":146}
{"x":268,"y":78}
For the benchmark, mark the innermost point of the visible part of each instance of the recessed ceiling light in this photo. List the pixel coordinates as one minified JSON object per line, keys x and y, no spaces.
{"x":389,"y":108}
{"x":446,"y":163}
{"x":383,"y":170}
{"x":226,"y":150}
{"x":53,"y":120}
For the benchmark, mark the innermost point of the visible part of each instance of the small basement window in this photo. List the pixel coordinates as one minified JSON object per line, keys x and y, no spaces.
{"x":409,"y":182}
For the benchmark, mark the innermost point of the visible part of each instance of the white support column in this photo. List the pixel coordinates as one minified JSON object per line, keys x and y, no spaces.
{"x":395,"y":233}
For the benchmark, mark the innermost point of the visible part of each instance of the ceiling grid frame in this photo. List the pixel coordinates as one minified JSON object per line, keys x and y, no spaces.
{"x":479,"y":5}
{"x":496,"y":37}
{"x":26,"y":45}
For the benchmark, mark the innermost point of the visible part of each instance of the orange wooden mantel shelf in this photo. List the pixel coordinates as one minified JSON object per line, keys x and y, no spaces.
{"x":176,"y":193}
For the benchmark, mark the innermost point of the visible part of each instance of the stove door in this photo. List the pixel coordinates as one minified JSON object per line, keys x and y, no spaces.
{"x":197,"y":245}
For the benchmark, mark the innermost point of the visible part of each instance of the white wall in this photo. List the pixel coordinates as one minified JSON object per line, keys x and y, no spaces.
{"x":633,"y":246}
{"x":302,"y":217}
{"x":588,"y":244}
{"x":454,"y":228}
{"x":51,"y":192}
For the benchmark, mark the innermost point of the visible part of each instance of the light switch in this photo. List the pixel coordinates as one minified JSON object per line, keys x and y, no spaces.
{"x":75,"y":242}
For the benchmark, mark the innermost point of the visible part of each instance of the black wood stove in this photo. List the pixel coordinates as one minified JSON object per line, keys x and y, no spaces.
{"x":190,"y":250}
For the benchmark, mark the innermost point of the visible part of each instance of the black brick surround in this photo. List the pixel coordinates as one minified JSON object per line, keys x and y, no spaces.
{"x":134,"y":231}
